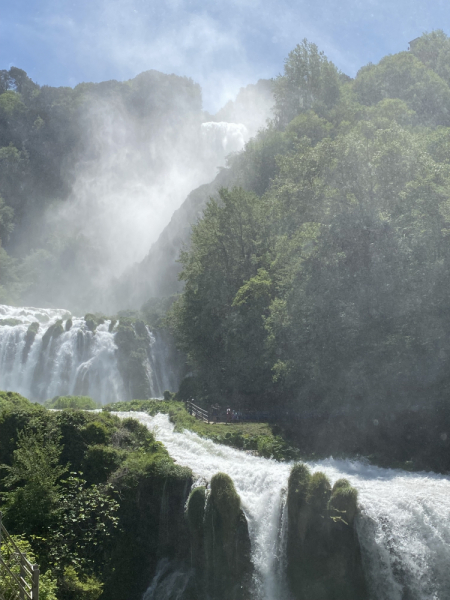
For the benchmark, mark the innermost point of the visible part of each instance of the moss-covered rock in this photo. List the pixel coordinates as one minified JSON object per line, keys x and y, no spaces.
{"x":133,"y":341}
{"x":53,"y":331}
{"x":29,"y":339}
{"x":324,"y":560}
{"x":227,"y":564}
{"x":68,"y":325}
{"x":153,"y":492}
{"x":32,"y":331}
{"x":343,"y":501}
{"x":195,"y":515}
{"x":93,"y":321}
{"x":10,"y":322}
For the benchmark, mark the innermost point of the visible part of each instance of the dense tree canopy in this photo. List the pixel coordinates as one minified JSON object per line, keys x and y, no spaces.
{"x":324,"y":280}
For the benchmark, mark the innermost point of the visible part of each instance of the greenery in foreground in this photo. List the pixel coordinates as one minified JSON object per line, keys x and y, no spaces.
{"x":322,"y":281}
{"x":70,"y":485}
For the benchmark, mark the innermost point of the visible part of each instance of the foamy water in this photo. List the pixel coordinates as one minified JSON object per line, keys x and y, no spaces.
{"x":403,"y":525}
{"x":78,"y":361}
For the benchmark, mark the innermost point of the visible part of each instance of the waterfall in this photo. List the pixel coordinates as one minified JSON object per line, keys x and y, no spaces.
{"x":220,"y":139}
{"x":73,"y":362}
{"x":403,"y":525}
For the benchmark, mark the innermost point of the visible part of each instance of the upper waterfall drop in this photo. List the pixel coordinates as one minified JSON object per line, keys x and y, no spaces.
{"x":48,"y":352}
{"x":222,"y":138}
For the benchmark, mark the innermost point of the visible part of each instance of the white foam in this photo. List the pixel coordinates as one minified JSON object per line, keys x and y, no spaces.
{"x":403,"y":526}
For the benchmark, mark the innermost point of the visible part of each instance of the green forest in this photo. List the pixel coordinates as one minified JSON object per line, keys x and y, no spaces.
{"x":319,"y":279}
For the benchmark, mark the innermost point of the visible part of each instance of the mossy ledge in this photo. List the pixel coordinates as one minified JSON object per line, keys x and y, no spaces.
{"x":32,"y":331}
{"x":220,"y":542}
{"x":324,"y":558}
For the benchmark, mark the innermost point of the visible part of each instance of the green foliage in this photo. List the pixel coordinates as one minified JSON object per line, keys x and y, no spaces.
{"x":12,"y":400}
{"x":405,"y":77}
{"x":83,"y":526}
{"x":256,"y":437}
{"x":8,"y":586}
{"x":230,"y":245}
{"x":32,"y":502}
{"x":309,"y":81}
{"x":309,"y":292}
{"x":75,"y":402}
{"x":87,"y":518}
{"x":75,"y":588}
{"x":100,"y":461}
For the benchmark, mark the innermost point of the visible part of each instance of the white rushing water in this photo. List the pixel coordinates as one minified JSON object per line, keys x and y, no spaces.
{"x":403,"y":525}
{"x":77,"y":362}
{"x":222,"y":138}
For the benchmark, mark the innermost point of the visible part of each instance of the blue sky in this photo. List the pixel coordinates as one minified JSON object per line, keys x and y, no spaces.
{"x":222,"y":45}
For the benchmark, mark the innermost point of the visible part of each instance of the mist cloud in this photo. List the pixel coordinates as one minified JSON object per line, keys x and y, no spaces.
{"x":222,"y":45}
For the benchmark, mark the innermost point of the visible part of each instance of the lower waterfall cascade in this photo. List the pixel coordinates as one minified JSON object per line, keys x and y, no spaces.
{"x":77,"y":361}
{"x":403,"y":523}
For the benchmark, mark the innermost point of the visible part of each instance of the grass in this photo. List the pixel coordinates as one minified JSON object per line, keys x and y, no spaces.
{"x":259,"y":438}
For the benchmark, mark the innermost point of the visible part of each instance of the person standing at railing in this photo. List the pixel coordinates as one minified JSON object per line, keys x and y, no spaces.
{"x":214,"y":412}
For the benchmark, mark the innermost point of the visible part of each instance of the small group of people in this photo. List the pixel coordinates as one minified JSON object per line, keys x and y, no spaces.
{"x":232,"y":416}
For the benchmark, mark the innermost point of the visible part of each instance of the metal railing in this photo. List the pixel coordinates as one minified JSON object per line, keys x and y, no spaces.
{"x":19,"y":578}
{"x":196,"y":411}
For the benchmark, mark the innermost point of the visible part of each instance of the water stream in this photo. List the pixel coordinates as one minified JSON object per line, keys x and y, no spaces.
{"x":403,"y":525}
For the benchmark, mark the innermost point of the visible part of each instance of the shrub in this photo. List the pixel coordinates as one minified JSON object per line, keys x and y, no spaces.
{"x":74,"y":588}
{"x":75,"y":402}
{"x":100,"y":461}
{"x":95,"y":433}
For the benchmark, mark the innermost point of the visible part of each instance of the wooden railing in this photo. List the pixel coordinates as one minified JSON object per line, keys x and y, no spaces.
{"x":19,"y":579}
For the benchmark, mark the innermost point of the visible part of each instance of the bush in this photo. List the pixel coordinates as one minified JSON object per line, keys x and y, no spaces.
{"x":75,"y":402}
{"x":12,"y":400}
{"x":95,"y":433}
{"x":100,"y":461}
{"x":74,"y":588}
